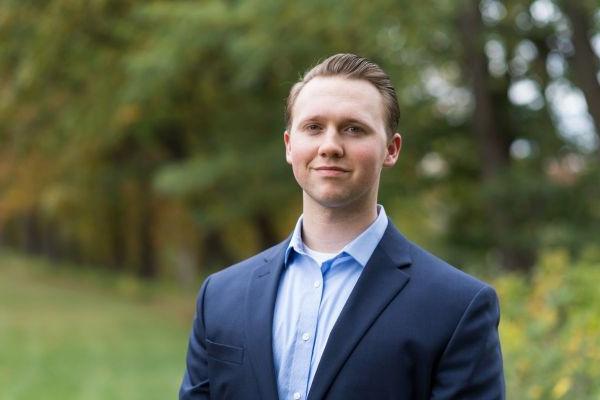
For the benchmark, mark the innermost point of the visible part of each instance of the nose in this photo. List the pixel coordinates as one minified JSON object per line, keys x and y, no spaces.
{"x":331,"y":145}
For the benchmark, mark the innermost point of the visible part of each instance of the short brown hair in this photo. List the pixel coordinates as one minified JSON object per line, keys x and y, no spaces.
{"x":351,"y":66}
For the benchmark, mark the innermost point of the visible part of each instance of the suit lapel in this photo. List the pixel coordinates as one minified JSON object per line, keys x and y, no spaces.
{"x":260,"y":302}
{"x":381,"y":280}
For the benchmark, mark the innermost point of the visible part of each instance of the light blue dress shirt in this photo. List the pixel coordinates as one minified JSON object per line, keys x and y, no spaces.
{"x":309,"y":301}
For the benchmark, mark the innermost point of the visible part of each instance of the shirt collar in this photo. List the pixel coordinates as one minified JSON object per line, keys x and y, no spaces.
{"x":360,"y":248}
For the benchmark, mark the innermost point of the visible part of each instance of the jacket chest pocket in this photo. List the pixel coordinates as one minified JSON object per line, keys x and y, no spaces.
{"x":225,"y":352}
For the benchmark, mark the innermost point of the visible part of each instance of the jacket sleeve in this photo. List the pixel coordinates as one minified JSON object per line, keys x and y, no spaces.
{"x":195,"y":384}
{"x":471,"y":365}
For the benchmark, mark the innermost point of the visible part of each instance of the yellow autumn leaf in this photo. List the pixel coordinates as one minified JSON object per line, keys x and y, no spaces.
{"x":562,"y":386}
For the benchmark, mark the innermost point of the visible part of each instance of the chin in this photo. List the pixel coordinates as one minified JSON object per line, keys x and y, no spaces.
{"x":333,"y":200}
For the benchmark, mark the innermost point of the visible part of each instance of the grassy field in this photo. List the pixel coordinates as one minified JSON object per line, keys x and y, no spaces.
{"x":67,"y":333}
{"x":78,"y":335}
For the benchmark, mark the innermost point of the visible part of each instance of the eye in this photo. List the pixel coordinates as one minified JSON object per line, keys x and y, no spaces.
{"x":354,"y":129}
{"x":312,"y":128}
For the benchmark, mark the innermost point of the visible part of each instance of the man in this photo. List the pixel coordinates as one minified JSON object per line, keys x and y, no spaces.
{"x":346,"y":308}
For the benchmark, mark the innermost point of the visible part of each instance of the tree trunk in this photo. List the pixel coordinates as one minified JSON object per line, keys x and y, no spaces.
{"x":585,"y":61}
{"x":490,"y":142}
{"x":31,"y":237}
{"x":51,"y":241}
{"x":117,"y":236}
{"x":147,"y":269}
{"x":215,"y":253}
{"x":268,"y":236}
{"x":491,"y":138}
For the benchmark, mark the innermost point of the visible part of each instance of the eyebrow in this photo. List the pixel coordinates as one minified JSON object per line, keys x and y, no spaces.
{"x":344,"y":120}
{"x":357,"y":121}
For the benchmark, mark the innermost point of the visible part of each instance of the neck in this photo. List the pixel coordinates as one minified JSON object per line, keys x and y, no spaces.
{"x":328,"y":229}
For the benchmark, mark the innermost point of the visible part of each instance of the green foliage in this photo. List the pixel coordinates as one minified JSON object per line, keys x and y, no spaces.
{"x":116,"y":115}
{"x":550,"y":329}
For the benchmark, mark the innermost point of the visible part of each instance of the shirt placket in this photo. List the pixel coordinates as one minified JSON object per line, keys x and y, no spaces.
{"x":306,"y":332}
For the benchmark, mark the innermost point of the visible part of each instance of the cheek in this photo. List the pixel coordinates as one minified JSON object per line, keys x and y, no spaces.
{"x":299,"y":161}
{"x":370,"y":160}
{"x":300,"y":153}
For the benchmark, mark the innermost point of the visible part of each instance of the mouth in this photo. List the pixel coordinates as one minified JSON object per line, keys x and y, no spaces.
{"x":331,"y":170}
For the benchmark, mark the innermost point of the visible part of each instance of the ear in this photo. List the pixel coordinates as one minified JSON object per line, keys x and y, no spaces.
{"x":288,"y":147}
{"x":393,"y":150}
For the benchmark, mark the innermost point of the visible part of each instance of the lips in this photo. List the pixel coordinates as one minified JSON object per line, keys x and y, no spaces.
{"x":330,"y":171}
{"x":331,"y":168}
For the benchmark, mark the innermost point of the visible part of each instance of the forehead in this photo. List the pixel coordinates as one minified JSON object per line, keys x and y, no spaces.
{"x":338,"y":97}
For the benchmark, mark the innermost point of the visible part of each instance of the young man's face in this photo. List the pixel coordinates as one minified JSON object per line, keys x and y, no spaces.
{"x":337,"y":144}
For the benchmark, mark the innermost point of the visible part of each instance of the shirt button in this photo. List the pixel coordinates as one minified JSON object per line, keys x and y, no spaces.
{"x":297,"y":396}
{"x":317,"y":284}
{"x":305,"y":337}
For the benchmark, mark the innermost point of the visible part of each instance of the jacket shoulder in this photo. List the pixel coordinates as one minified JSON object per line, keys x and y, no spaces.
{"x":439,"y":277}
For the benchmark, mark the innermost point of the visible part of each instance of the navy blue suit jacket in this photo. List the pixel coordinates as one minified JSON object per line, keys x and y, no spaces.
{"x":414,"y":327}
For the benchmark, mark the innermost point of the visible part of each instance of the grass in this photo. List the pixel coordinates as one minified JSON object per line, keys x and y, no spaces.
{"x":72,"y":333}
{"x":66,"y":334}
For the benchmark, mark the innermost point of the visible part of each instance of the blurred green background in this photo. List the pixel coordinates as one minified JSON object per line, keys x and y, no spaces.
{"x":141,"y":149}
